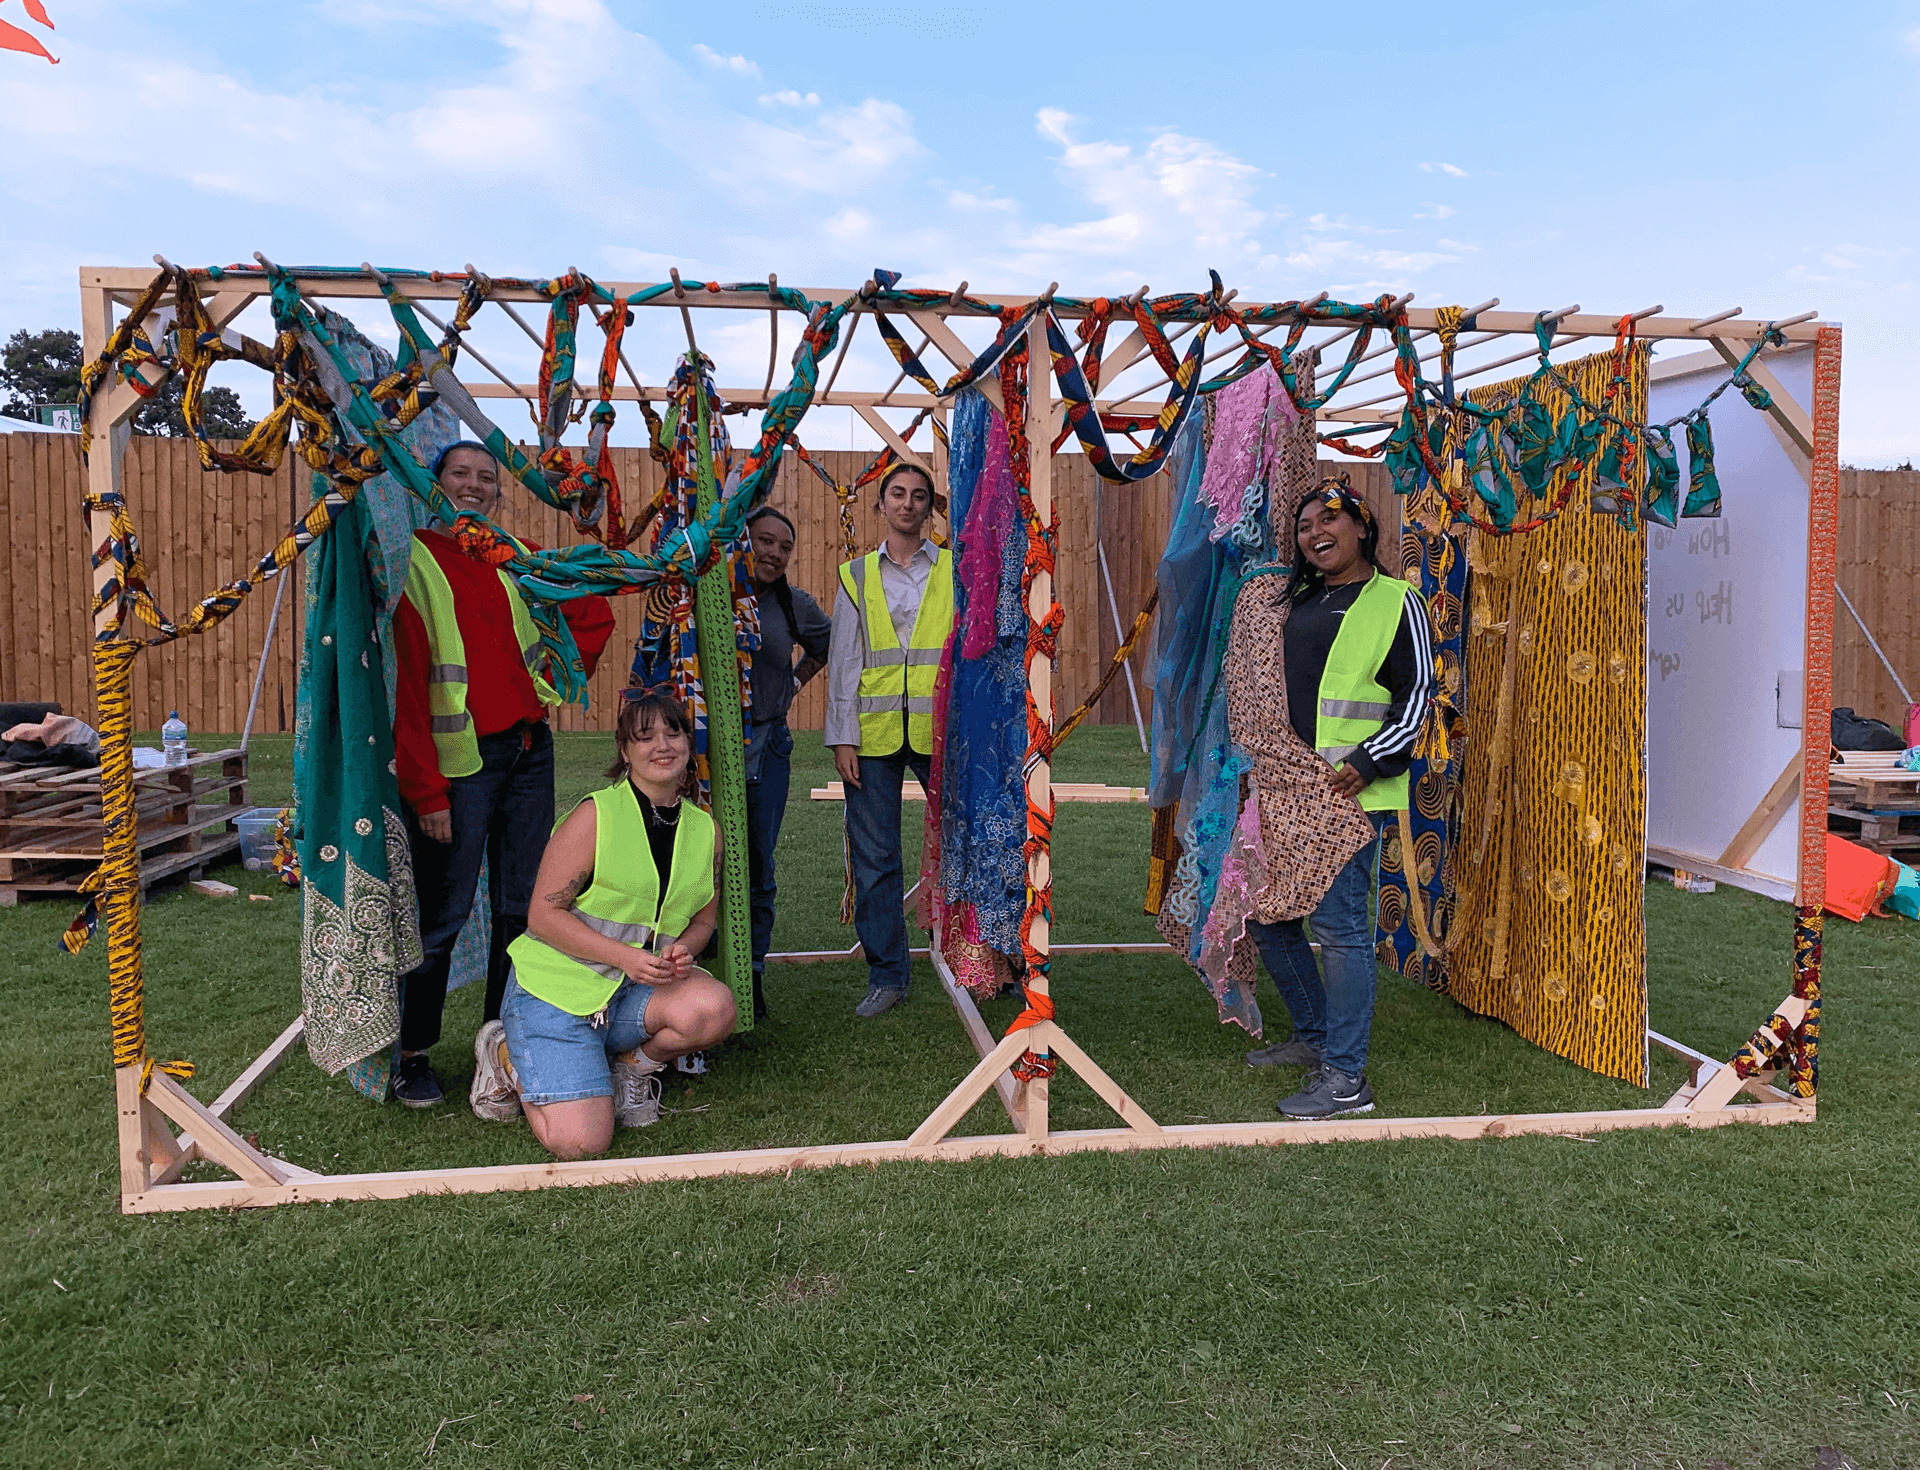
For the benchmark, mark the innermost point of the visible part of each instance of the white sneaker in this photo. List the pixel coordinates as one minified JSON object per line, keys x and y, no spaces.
{"x":636,"y":1090}
{"x":495,"y":1094}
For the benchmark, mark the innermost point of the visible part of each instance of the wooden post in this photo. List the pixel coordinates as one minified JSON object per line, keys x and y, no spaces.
{"x":122,"y":920}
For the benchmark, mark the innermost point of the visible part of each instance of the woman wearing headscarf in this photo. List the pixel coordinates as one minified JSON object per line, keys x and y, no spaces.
{"x":1359,"y":674}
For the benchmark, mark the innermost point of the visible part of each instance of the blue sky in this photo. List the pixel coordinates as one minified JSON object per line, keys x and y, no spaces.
{"x":1698,"y":155}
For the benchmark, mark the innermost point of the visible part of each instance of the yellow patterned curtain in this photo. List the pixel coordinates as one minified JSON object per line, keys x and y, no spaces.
{"x":1548,"y":861}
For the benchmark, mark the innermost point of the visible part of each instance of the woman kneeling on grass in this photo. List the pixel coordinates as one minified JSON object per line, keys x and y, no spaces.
{"x":604,"y":993}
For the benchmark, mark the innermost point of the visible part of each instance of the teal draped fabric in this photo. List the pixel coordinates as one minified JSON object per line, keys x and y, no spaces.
{"x":359,"y":921}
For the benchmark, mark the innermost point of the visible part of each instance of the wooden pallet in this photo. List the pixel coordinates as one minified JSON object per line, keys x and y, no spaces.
{"x":1872,"y":781}
{"x":50,"y":822}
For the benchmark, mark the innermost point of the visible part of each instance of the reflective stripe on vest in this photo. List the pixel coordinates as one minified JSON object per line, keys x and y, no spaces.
{"x":624,"y":900}
{"x":1353,"y":703}
{"x":432,"y":597}
{"x":895,"y":698}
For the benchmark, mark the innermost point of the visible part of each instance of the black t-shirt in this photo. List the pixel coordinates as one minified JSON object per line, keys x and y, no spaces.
{"x":660,"y":835}
{"x":1407,"y":675}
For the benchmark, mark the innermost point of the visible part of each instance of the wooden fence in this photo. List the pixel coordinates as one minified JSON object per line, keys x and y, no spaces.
{"x":199,"y":529}
{"x":1879,"y":569}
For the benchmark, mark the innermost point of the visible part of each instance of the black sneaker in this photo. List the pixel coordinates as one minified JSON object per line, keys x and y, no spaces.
{"x":416,"y":1085}
{"x":759,"y":997}
{"x":1327,"y":1093}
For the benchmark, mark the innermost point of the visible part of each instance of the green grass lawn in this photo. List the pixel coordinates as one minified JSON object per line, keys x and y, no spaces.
{"x":1741,"y":1296}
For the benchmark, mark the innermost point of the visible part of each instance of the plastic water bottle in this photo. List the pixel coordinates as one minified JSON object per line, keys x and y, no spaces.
{"x":173,"y":739}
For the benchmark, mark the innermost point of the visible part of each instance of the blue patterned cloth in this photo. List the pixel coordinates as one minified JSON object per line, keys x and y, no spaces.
{"x":983,"y":805}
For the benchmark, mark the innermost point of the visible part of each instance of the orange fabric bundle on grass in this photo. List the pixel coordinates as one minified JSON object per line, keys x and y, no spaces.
{"x":1857,"y":878}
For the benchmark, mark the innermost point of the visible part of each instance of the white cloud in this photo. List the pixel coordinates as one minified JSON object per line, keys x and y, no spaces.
{"x":1911,"y":39}
{"x":1437,"y":211}
{"x":739,"y":65}
{"x":1323,"y":256}
{"x":1175,"y":198}
{"x":790,"y":98}
{"x":1445,"y":168}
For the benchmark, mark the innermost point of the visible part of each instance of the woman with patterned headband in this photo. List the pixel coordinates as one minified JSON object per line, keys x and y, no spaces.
{"x":1359,"y":674}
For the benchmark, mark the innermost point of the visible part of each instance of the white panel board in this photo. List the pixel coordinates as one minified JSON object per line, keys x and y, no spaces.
{"x":1726,"y":626}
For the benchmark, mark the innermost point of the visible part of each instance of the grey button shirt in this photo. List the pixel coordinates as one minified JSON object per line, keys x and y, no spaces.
{"x":903,"y":587}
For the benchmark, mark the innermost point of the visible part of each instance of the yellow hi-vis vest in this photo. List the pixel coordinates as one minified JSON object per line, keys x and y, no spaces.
{"x":432,"y":597}
{"x":1353,"y":704}
{"x":895,"y":680}
{"x":624,"y":901}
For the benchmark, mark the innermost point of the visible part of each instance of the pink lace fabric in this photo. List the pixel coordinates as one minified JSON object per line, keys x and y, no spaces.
{"x":1251,"y":418}
{"x":1242,"y":880}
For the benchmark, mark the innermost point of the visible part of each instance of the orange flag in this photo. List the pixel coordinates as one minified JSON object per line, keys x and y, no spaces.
{"x":12,"y":38}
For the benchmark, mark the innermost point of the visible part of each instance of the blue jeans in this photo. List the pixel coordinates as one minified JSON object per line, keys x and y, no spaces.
{"x":766,"y":809}
{"x":1334,"y":1013}
{"x":503,"y":814}
{"x":560,"y":1057}
{"x":873,"y":842}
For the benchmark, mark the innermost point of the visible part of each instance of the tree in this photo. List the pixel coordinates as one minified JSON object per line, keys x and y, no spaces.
{"x":44,"y":367}
{"x":39,"y":367}
{"x":221,"y":415}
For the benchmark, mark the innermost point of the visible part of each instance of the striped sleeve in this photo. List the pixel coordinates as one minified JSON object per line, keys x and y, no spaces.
{"x":1408,"y":677}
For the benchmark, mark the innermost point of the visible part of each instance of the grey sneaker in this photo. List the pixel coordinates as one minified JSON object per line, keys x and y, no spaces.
{"x":877,"y":1002}
{"x":1289,"y":1053}
{"x":636,"y":1090}
{"x":494,"y":1095}
{"x":1327,"y":1093}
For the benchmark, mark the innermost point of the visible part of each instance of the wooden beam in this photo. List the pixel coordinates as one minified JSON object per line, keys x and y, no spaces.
{"x":1719,"y":1090}
{"x":262,"y":1067}
{"x":1765,"y":817}
{"x":214,"y":1139}
{"x":493,"y":1178}
{"x":891,"y":436}
{"x":1786,"y":409}
{"x":977,"y":1033}
{"x":324,"y":285}
{"x":957,"y":352}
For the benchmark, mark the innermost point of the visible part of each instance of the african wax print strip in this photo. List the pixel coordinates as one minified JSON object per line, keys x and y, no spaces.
{"x":576,"y":571}
{"x":359,"y":918}
{"x":1547,"y":924}
{"x":668,"y":650}
{"x":1414,"y":919}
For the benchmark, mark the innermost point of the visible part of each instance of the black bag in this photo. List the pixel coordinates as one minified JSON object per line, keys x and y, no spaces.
{"x":1857,"y":732}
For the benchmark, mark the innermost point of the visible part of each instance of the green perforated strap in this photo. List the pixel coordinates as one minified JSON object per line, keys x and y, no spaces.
{"x":726,"y":746}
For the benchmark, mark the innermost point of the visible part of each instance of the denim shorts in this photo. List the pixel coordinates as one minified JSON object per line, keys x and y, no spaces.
{"x":560,"y":1057}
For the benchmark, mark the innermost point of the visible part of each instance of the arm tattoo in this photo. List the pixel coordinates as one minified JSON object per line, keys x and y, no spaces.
{"x":563,"y":899}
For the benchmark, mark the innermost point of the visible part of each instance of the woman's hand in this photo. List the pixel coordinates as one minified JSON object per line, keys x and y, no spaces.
{"x":675,"y":962}
{"x":846,"y":760}
{"x":647,"y":968}
{"x":1347,"y":781}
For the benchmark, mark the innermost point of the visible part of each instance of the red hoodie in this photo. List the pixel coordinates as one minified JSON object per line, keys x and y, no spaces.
{"x":500,"y":692}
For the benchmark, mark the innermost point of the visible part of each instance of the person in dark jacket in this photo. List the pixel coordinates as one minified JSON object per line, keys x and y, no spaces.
{"x":791,"y":623}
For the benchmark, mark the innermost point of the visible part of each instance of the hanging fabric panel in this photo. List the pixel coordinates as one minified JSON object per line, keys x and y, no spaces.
{"x":1547,"y":872}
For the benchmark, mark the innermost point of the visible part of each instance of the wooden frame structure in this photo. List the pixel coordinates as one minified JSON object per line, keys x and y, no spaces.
{"x":152,"y":1157}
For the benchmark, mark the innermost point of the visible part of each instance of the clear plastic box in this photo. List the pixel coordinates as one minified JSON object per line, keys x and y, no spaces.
{"x":256,"y":837}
